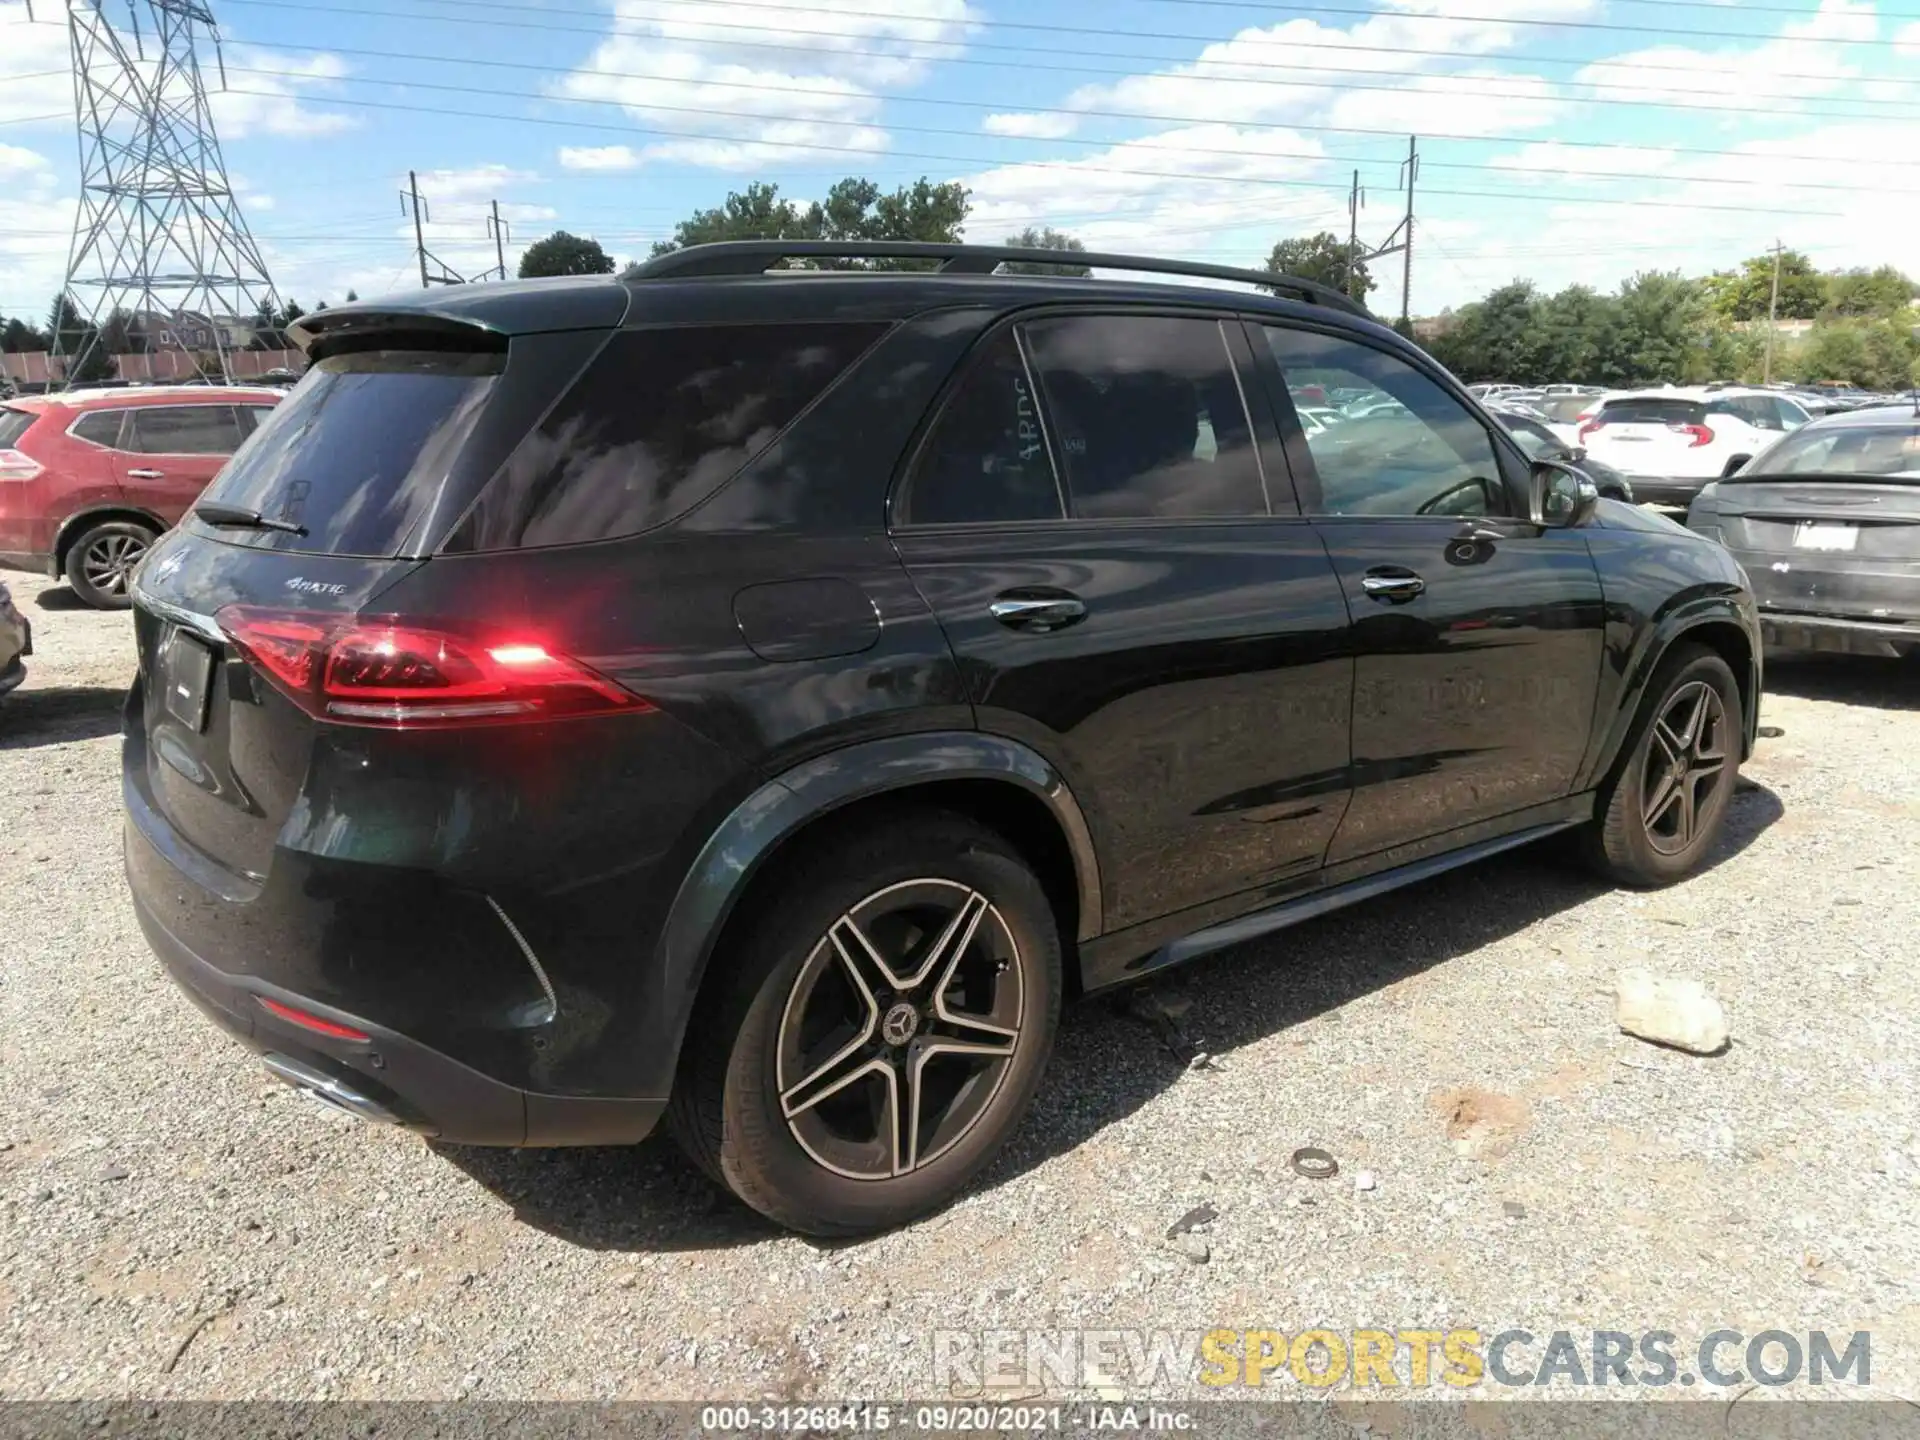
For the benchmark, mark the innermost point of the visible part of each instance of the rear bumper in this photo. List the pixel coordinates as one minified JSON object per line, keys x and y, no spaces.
{"x":387,"y":1077}
{"x":1837,"y":634}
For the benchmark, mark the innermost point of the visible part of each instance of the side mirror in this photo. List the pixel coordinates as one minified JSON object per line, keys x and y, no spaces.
{"x":1577,"y":454}
{"x":1559,"y":495}
{"x":1732,"y":467}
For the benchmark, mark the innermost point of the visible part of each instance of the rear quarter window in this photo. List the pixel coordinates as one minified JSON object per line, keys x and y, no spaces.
{"x":14,"y":424}
{"x":658,"y":422}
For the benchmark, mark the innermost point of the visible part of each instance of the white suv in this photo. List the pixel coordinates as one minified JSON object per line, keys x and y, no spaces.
{"x":1672,"y":442}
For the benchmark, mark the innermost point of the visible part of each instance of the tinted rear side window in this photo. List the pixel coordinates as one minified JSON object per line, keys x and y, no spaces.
{"x":985,"y":460}
{"x":659,"y":422}
{"x":358,"y":452}
{"x":1653,"y":412}
{"x":14,"y":424}
{"x":1146,"y":416}
{"x":184,"y":430}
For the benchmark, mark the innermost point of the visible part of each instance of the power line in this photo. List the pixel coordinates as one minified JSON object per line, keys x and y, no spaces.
{"x":991,"y":107}
{"x":977,"y":161}
{"x":764,"y":116}
{"x":1309,"y":12}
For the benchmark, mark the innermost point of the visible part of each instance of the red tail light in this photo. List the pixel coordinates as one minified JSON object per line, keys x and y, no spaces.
{"x":1587,"y":426}
{"x":18,"y":465}
{"x":372,"y":671}
{"x":1700,"y":433}
{"x":310,"y":1022}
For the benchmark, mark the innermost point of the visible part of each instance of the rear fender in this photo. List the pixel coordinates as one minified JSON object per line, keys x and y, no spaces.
{"x":733,"y":855}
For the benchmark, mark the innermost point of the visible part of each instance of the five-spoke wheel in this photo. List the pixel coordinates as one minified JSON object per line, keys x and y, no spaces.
{"x":1666,"y":802}
{"x":889,"y":1010}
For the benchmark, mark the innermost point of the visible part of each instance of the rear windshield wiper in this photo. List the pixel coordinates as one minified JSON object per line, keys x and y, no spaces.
{"x":234,"y":517}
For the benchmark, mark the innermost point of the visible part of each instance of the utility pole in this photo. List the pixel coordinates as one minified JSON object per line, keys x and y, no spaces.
{"x":1406,"y":273}
{"x":499,"y":230}
{"x":410,"y":200}
{"x":1400,"y":242}
{"x":1773,"y":308}
{"x":414,"y":204}
{"x":1354,"y":201}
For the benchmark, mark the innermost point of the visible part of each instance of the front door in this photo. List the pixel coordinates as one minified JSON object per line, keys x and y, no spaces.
{"x":169,"y":453}
{"x":1089,"y":518}
{"x":1477,"y":635}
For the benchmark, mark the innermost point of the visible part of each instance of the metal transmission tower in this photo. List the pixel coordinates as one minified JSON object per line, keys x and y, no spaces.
{"x":159,"y":239}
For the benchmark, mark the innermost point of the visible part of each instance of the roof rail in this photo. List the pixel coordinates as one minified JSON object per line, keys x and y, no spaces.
{"x":755,"y":257}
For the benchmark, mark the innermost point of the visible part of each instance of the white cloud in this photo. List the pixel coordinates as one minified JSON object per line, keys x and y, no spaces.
{"x":1032,"y":124}
{"x":475,"y":182}
{"x":274,"y":104}
{"x":18,"y":163}
{"x":1906,"y":42}
{"x":675,"y":67}
{"x":1546,"y":161}
{"x":1787,"y":70}
{"x":39,"y":51}
{"x":1167,"y":193}
{"x":598,"y":157}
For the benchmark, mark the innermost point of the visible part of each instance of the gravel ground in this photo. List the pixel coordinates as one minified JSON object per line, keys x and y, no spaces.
{"x":1528,"y":1164}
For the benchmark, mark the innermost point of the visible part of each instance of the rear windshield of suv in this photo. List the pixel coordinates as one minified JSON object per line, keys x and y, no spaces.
{"x":14,"y":424}
{"x":1654,"y":412}
{"x":359,"y":450}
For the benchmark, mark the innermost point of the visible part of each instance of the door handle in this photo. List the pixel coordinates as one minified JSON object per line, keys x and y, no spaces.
{"x":146,"y":474}
{"x":1394,"y":586}
{"x":1036,"y":613}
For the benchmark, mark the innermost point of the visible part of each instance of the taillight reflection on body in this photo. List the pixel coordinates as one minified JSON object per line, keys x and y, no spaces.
{"x":1587,"y":427}
{"x":377,"y":672}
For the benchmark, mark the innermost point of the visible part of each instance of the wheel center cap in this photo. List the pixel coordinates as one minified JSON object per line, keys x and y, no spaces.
{"x":899,"y":1024}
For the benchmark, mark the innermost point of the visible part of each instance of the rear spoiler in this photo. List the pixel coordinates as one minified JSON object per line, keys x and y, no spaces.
{"x":335,"y":332}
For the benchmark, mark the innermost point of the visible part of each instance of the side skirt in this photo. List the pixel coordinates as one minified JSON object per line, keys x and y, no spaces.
{"x":1105,"y":966}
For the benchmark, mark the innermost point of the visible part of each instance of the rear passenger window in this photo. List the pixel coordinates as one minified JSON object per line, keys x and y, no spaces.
{"x":14,"y":424}
{"x":661,"y":420}
{"x":100,"y":427}
{"x":985,"y":460}
{"x":183,"y":430}
{"x":1146,"y":417}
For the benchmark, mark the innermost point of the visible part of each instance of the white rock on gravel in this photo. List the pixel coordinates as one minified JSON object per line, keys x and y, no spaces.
{"x":1670,"y":1011}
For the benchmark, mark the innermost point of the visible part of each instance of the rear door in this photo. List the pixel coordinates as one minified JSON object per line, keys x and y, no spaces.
{"x":1110,"y":544}
{"x":169,"y":453}
{"x":1477,"y":635}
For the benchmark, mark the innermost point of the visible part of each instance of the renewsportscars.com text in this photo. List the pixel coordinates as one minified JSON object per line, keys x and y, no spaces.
{"x":1384,"y":1359}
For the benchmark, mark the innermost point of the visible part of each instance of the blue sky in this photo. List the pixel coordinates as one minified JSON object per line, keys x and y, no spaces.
{"x":1563,"y":139}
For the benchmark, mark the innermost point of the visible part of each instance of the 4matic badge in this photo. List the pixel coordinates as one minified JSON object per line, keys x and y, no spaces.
{"x":305,"y":586}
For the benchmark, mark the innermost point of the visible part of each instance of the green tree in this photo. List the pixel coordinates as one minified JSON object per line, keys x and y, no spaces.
{"x":1744,"y":294}
{"x":1324,"y":258}
{"x":1662,"y":317}
{"x":855,"y":209}
{"x":560,"y":254}
{"x":1881,"y":354}
{"x":19,"y":336}
{"x":1881,"y":291}
{"x":1044,"y":239}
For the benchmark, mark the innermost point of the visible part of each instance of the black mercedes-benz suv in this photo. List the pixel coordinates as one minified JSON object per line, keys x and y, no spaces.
{"x":760,"y":695}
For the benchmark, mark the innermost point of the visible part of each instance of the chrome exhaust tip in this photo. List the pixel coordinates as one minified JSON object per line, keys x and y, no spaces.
{"x":329,"y":1089}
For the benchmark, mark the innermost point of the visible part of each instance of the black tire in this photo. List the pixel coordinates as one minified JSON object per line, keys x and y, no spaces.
{"x":781,"y":973}
{"x":1639,"y":837}
{"x":102,"y":559}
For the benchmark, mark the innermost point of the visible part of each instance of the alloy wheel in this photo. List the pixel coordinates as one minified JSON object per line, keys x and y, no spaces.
{"x":110,"y":561}
{"x":899,"y":1029}
{"x":1686,"y":761}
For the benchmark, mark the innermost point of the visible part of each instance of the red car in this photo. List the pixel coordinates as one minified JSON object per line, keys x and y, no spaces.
{"x":90,"y":478}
